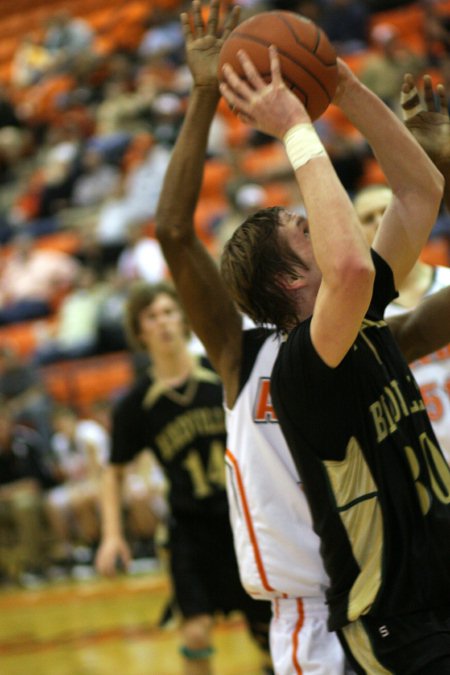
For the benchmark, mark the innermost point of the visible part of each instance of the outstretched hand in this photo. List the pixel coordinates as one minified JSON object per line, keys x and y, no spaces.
{"x":204,"y":42}
{"x":429,"y":122}
{"x":270,"y":107}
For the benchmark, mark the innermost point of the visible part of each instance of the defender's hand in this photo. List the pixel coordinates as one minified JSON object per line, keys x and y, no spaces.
{"x":429,"y":123}
{"x":204,"y":42}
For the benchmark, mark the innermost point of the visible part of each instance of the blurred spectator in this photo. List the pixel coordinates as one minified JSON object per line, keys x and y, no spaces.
{"x":16,"y":140}
{"x":244,"y":198}
{"x":80,"y":448}
{"x":89,"y":252}
{"x":25,"y":473}
{"x":48,"y":189}
{"x":32,"y":279}
{"x":120,"y":108}
{"x":436,"y":28}
{"x":8,"y":113}
{"x":74,"y":335}
{"x":311,"y":9}
{"x":345,"y":22}
{"x":165,"y":116}
{"x":142,"y":257}
{"x":111,"y":333}
{"x":66,"y":37}
{"x":32,"y":60}
{"x":24,"y":392}
{"x":136,"y":200}
{"x":383,"y":71}
{"x":163,"y":36}
{"x":59,"y":164}
{"x":98,"y":180}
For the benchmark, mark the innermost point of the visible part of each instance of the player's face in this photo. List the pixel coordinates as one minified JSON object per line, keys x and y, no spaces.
{"x":370,"y":209}
{"x":162,"y":324}
{"x":295,"y":229}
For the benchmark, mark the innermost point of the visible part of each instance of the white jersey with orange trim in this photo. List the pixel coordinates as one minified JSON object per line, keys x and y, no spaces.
{"x":433,"y":372}
{"x":277,"y":549}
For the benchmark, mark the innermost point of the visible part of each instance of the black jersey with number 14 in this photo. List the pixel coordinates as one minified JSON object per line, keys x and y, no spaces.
{"x":185,"y":428}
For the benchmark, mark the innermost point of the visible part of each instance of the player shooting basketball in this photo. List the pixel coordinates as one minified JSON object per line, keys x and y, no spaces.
{"x":277,"y":550}
{"x":347,"y":402}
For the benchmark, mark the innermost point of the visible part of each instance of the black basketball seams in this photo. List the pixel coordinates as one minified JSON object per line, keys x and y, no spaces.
{"x":285,"y":21}
{"x":288,"y":57}
{"x":266,"y":43}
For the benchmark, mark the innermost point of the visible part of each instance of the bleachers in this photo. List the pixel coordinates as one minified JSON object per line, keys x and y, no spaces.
{"x":121,"y":23}
{"x":82,"y":382}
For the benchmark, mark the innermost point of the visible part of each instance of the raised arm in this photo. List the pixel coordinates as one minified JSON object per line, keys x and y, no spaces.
{"x":425,"y":329}
{"x":339,"y":248}
{"x":211,"y":312}
{"x":415,"y":182}
{"x":429,"y":123}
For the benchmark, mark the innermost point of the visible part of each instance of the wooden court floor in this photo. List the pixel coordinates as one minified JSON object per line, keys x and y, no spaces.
{"x":103,"y":627}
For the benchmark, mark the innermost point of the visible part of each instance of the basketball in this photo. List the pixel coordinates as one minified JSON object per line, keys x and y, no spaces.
{"x":307,"y":58}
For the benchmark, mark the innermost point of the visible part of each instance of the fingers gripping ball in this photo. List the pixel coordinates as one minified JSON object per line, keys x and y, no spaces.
{"x":307,"y":58}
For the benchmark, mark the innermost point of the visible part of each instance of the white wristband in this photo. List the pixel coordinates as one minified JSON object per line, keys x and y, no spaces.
{"x":302,"y":144}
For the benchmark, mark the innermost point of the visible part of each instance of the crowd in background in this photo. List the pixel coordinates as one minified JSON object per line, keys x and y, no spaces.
{"x":85,"y":139}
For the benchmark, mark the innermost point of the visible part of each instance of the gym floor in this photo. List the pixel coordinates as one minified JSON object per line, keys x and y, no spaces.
{"x":97,"y":626}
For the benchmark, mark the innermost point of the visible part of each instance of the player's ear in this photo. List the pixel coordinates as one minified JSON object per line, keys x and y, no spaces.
{"x":291,"y":282}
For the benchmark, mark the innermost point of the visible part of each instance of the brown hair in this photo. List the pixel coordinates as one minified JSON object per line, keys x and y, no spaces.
{"x":143,"y":294}
{"x":253,"y":262}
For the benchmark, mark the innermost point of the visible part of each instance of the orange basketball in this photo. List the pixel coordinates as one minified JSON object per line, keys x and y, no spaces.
{"x":307,"y":58}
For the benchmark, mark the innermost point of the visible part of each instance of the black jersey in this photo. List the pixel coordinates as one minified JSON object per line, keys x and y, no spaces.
{"x":185,"y":428}
{"x":375,"y":478}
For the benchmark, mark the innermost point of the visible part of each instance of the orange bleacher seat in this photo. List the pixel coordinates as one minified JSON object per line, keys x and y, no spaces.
{"x":125,"y":36}
{"x":82,"y":382}
{"x":100,"y":19}
{"x":408,"y":22}
{"x":436,"y":252}
{"x":215,"y":177}
{"x":43,"y":97}
{"x":8,"y":47}
{"x":264,"y":160}
{"x":277,"y":194}
{"x":135,"y":11}
{"x":23,"y":336}
{"x":65,"y":241}
{"x":357,"y":60}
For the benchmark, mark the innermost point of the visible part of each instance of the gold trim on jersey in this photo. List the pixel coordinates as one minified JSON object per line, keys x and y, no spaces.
{"x":360,"y":646}
{"x":371,"y":324}
{"x":356,"y":499}
{"x":158,"y":389}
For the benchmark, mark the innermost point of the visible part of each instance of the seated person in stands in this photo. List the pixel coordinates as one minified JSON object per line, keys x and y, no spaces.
{"x":26,"y":473}
{"x":80,"y":448}
{"x":23,"y":390}
{"x":32,"y":279}
{"x":74,"y":335}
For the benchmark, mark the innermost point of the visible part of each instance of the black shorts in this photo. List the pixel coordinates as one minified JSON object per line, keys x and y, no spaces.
{"x":412,"y":644}
{"x":205,"y":573}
